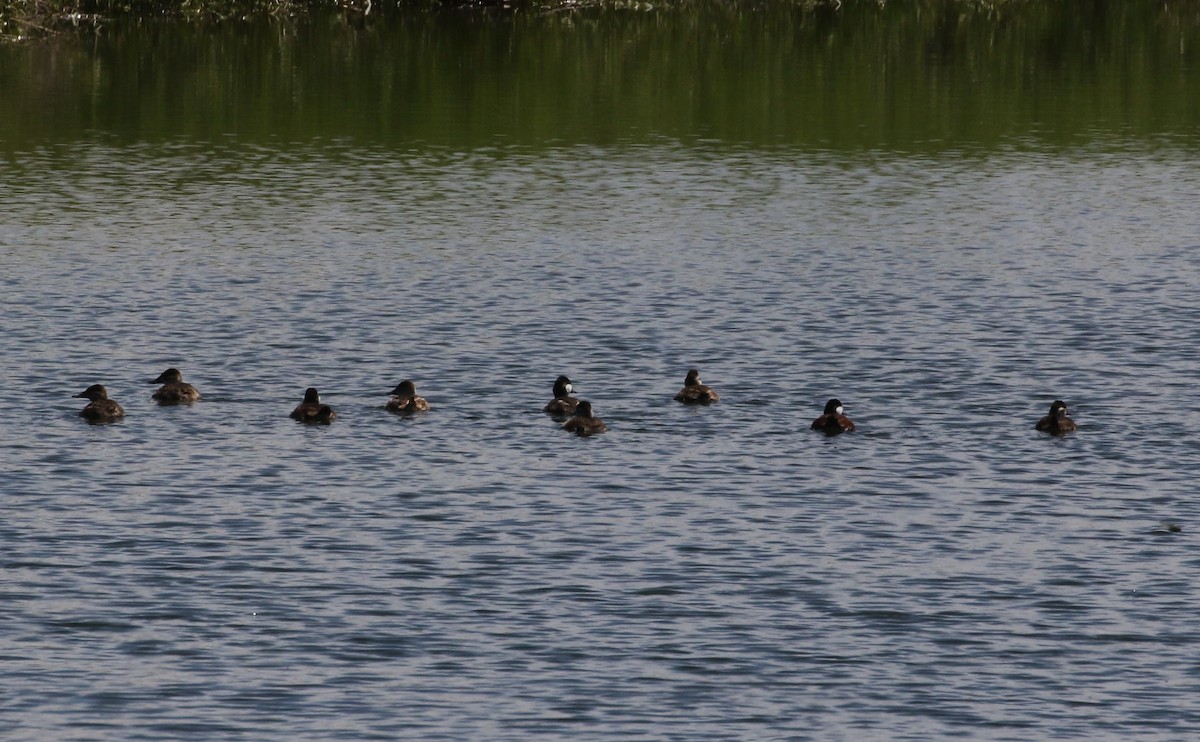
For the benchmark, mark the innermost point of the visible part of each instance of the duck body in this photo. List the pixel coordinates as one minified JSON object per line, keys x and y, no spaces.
{"x":1057,"y":422}
{"x":174,"y":389}
{"x":832,"y":421}
{"x":563,"y":404}
{"x":583,"y":422}
{"x":311,"y":410}
{"x":323,"y":415}
{"x":405,"y":401}
{"x":100,"y":408}
{"x":696,"y":392}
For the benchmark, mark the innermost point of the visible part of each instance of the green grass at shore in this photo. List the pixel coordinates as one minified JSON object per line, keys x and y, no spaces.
{"x":24,"y":19}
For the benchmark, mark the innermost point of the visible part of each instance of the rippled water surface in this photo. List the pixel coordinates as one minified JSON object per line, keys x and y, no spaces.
{"x":223,"y":572}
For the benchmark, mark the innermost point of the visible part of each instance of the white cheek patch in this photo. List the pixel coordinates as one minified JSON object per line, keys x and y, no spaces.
{"x":569,"y":388}
{"x":839,"y":410}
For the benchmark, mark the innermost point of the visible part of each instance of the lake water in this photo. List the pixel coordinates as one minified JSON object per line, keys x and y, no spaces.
{"x":223,"y":572}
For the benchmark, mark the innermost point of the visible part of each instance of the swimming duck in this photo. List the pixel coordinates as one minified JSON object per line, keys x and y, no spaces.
{"x":694,"y":392}
{"x":583,"y":422}
{"x":405,"y":400}
{"x":832,"y":421}
{"x":100,"y":409}
{"x":563,"y":403}
{"x":174,"y":389}
{"x":1057,"y":422}
{"x":323,"y":415}
{"x":312,"y":411}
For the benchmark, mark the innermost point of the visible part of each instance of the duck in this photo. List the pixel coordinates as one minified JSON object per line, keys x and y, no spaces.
{"x":323,"y":415}
{"x":405,"y":400}
{"x":1057,"y":422}
{"x":832,"y":421}
{"x":312,"y":411}
{"x":695,"y":392}
{"x":100,"y":409}
{"x":174,"y":389}
{"x":563,"y":403}
{"x":583,"y":422}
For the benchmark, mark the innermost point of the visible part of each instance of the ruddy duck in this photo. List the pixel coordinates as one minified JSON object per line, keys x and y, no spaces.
{"x":833,"y":421}
{"x":1057,"y":422}
{"x":563,"y":403}
{"x":312,"y":411}
{"x":583,"y":422}
{"x":174,"y":389}
{"x":694,"y":392}
{"x":405,"y":400}
{"x":101,"y":409}
{"x":323,"y":415}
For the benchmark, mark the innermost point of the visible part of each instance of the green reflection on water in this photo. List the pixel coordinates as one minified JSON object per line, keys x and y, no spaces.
{"x":905,"y":76}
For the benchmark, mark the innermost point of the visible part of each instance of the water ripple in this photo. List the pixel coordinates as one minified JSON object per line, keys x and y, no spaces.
{"x":222,"y":571}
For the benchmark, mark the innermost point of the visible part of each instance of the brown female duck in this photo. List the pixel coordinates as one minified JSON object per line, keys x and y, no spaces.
{"x":100,"y":409}
{"x":405,"y":400}
{"x":695,"y":392}
{"x":1057,"y":422}
{"x":312,"y":411}
{"x":583,"y":422}
{"x":174,"y":389}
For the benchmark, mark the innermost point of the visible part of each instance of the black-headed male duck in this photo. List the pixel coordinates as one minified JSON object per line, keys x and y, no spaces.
{"x":312,"y":411}
{"x":583,"y":422}
{"x":1057,"y":422}
{"x":695,"y":392}
{"x":405,"y":400}
{"x":833,"y":421}
{"x":563,"y":403}
{"x":174,"y":389}
{"x":100,"y":409}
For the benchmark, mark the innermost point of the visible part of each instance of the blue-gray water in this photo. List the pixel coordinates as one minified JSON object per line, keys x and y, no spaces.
{"x":222,"y":572}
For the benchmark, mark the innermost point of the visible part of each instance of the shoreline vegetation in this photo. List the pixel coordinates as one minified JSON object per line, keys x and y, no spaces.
{"x":30,"y":19}
{"x":921,"y":75}
{"x":22,"y":20}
